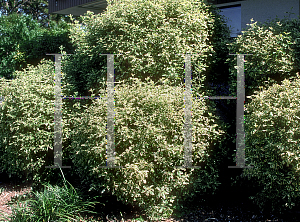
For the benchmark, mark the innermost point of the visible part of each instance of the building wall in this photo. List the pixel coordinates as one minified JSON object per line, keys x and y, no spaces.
{"x":233,"y":18}
{"x":259,"y":10}
{"x":76,"y":7}
{"x":57,"y":5}
{"x":262,"y":10}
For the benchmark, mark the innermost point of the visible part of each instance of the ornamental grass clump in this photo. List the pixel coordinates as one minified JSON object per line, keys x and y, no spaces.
{"x":54,"y":203}
{"x":149,"y":144}
{"x":272,"y":121}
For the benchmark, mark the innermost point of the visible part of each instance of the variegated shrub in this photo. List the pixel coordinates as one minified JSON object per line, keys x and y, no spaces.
{"x":272,"y":123}
{"x":149,"y":144}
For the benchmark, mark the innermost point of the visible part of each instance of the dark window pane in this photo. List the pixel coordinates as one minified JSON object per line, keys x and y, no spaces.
{"x":233,"y":16}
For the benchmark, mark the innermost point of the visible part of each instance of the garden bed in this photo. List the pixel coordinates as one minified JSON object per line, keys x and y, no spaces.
{"x":214,"y":210}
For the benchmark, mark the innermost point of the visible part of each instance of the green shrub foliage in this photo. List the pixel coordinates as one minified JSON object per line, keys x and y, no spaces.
{"x":23,"y":41}
{"x":48,"y":40}
{"x":272,"y":60}
{"x":272,"y":115}
{"x":218,"y":69}
{"x":149,"y":121}
{"x":27,"y":123}
{"x":291,"y":27}
{"x":272,"y":145}
{"x":149,"y":34}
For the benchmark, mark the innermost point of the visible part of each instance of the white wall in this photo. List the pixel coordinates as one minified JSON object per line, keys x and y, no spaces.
{"x":262,"y":10}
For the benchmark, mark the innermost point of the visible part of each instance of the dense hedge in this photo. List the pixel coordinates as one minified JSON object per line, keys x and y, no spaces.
{"x":272,"y":60}
{"x":151,"y":181}
{"x":149,"y":120}
{"x":291,"y":27}
{"x":272,"y":146}
{"x":27,"y":123}
{"x":149,"y":34}
{"x":23,"y":41}
{"x":149,"y":140}
{"x":272,"y":115}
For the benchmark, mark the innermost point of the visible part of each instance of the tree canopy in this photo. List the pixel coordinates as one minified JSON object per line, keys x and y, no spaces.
{"x":38,"y":9}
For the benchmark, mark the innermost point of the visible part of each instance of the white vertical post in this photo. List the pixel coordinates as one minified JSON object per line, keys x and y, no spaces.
{"x":57,"y":115}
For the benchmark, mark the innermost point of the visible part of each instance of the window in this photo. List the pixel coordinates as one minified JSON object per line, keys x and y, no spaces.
{"x":233,"y":19}
{"x":223,"y":1}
